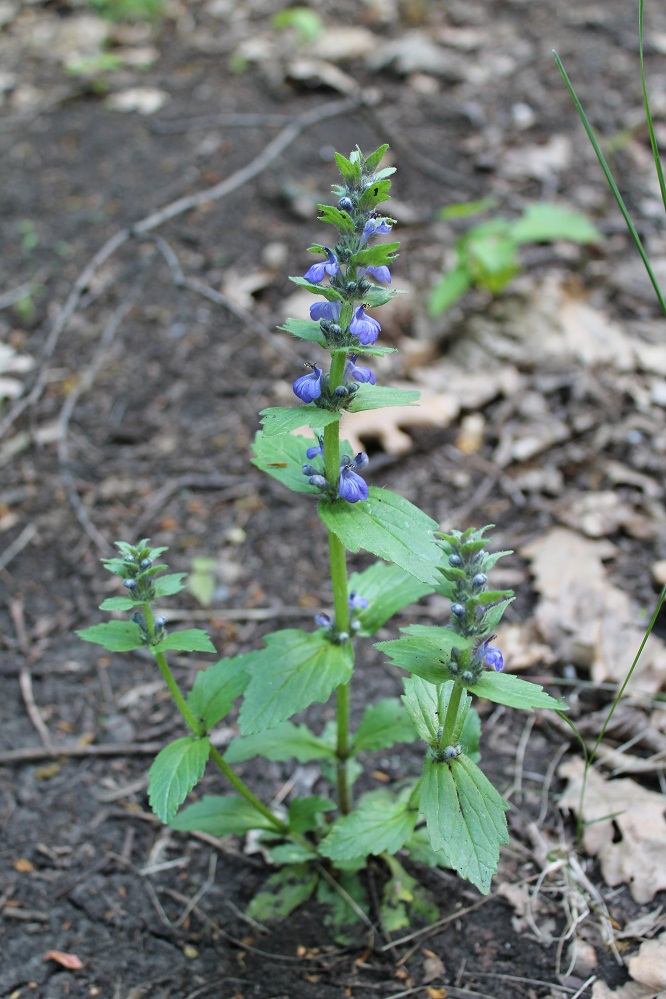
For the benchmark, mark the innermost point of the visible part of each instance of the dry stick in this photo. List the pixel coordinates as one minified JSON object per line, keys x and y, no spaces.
{"x":269,"y":153}
{"x":33,"y":754}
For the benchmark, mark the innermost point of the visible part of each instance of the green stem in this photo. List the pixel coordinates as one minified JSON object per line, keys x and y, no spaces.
{"x":451,"y":715}
{"x":338,"y":562}
{"x":245,"y":792}
{"x":191,"y":722}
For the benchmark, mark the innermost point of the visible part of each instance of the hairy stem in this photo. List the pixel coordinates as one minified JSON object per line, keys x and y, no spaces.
{"x":338,"y":562}
{"x":191,"y":722}
{"x":245,"y":792}
{"x":451,"y":715}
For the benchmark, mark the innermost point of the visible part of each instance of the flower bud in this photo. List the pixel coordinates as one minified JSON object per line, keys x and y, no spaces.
{"x":479,"y":580}
{"x":130,"y":583}
{"x":160,"y":621}
{"x":145,"y":563}
{"x":458,"y":610}
{"x":455,"y":560}
{"x":467,"y":676}
{"x":345,"y":204}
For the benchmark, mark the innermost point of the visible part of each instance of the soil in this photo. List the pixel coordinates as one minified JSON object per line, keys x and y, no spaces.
{"x":143,"y":401}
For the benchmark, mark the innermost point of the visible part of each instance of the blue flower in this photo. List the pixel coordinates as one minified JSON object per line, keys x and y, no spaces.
{"x":351,"y":486}
{"x":308,"y":387}
{"x":323,"y":620}
{"x":357,"y":372}
{"x":364,"y":327}
{"x":356,"y":601}
{"x":379,"y":273}
{"x":374,"y":227}
{"x":314,"y":452}
{"x":491,"y":655}
{"x":326,"y":310}
{"x":317,"y":272}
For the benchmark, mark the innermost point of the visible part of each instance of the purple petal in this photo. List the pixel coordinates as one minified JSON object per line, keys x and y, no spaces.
{"x":325,"y":310}
{"x":352,"y":487}
{"x":379,"y":273}
{"x":308,"y":387}
{"x":493,"y":657}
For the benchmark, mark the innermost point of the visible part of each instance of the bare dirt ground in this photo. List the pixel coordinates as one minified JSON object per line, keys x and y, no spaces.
{"x":152,"y":209}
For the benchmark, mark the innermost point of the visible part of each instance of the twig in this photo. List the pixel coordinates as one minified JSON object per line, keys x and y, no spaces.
{"x":25,"y":683}
{"x":150,"y":222}
{"x":239,"y":120}
{"x":17,"y":545}
{"x":33,"y":754}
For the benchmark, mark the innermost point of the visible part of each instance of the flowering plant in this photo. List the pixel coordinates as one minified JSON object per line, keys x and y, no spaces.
{"x":450,"y":815}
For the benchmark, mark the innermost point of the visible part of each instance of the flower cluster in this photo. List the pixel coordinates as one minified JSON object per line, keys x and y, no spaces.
{"x":356,"y":604}
{"x":350,"y":486}
{"x":474,"y":607}
{"x":315,"y":386}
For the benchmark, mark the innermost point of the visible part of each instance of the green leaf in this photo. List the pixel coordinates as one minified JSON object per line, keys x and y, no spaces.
{"x":330,"y":294}
{"x":504,"y":688}
{"x":471,"y":735}
{"x":425,"y":650}
{"x":341,"y":220}
{"x":220,"y":816}
{"x":119,"y":604}
{"x":280,"y":420}
{"x":281,"y":457}
{"x":305,"y":813}
{"x":488,"y":251}
{"x":351,"y":171}
{"x":176,"y":770}
{"x":388,"y":589}
{"x":404,"y":900}
{"x":116,"y":636}
{"x":543,"y":223}
{"x":388,"y":526}
{"x":378,"y":396}
{"x":166,"y":586}
{"x":383,"y":725}
{"x":465,"y":817}
{"x":284,"y":742}
{"x":305,"y":329}
{"x":190,"y":640}
{"x":296,"y":669}
{"x":340,"y":917}
{"x":283,"y":892}
{"x":374,"y":194}
{"x":464,"y":209}
{"x":420,"y":850}
{"x":375,"y":297}
{"x":307,"y":23}
{"x":493,"y":615}
{"x":376,"y":256}
{"x":290,"y":853}
{"x":451,"y":286}
{"x":372,"y":160}
{"x":216,"y":688}
{"x":375,"y":351}
{"x":378,"y":824}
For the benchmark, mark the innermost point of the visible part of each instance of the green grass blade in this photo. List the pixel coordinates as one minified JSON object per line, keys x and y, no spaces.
{"x":648,"y":116}
{"x":613,"y":186}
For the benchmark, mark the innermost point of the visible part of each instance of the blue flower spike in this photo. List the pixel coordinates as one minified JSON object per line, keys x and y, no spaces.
{"x":351,"y":486}
{"x":308,"y":387}
{"x":365,"y":328}
{"x":317,"y":272}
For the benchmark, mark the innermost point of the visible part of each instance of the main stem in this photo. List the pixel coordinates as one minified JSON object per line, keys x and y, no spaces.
{"x":338,"y":562}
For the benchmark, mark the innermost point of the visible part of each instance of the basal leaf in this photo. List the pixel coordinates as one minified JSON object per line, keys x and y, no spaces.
{"x":504,"y":688}
{"x":465,"y":818}
{"x":379,"y":396}
{"x":296,"y":669}
{"x":284,"y":742}
{"x":388,"y":526}
{"x":189,"y":640}
{"x":116,"y":636}
{"x":281,"y":420}
{"x":216,"y":688}
{"x":305,"y":329}
{"x":543,"y":223}
{"x":404,"y":900}
{"x":220,"y":816}
{"x":377,"y":825}
{"x":305,"y":813}
{"x":425,"y":650}
{"x":341,"y":918}
{"x":176,"y":770}
{"x":383,"y":725}
{"x":388,"y":589}
{"x":283,"y":892}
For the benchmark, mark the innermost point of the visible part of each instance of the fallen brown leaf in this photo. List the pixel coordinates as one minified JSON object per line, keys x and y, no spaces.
{"x":69,"y":961}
